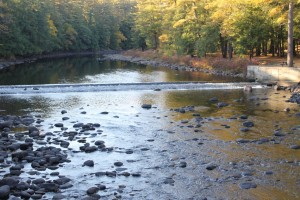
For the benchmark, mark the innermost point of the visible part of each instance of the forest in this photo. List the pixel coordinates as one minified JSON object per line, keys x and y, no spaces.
{"x":182,"y":27}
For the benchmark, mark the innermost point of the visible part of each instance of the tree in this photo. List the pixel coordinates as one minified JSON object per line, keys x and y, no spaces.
{"x":290,"y":53}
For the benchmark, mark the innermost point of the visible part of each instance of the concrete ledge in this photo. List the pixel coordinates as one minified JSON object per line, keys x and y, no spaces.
{"x":279,"y":74}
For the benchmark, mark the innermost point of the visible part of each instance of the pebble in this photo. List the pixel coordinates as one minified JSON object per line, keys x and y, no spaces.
{"x":118,"y":164}
{"x":211,"y":167}
{"x":295,"y":147}
{"x":89,"y":163}
{"x":147,"y":106}
{"x":92,"y":190}
{"x":248,"y":124}
{"x":247,"y":185}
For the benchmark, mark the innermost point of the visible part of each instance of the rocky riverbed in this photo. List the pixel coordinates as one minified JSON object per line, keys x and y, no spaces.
{"x":215,"y":149}
{"x":157,"y":63}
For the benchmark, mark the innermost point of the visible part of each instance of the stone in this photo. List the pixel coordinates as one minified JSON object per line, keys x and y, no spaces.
{"x":213,"y":99}
{"x":118,"y":164}
{"x":12,"y":182}
{"x":4,"y":192}
{"x":247,"y":185}
{"x":147,"y":106}
{"x":211,"y":167}
{"x":248,"y":124}
{"x":295,"y":147}
{"x":59,"y":125}
{"x":50,"y":187}
{"x":89,"y":163}
{"x":182,"y":164}
{"x":242,"y":140}
{"x":63,"y":112}
{"x":59,"y":197}
{"x":38,"y":181}
{"x":92,"y":190}
{"x":222,"y":104}
{"x":62,"y":180}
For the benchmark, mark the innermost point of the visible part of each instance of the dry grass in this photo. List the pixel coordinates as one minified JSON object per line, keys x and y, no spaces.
{"x":212,"y":62}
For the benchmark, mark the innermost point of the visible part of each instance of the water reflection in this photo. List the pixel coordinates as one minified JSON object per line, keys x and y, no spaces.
{"x":88,"y":70}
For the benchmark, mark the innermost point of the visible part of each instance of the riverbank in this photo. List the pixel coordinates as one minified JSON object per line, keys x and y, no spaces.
{"x":212,"y":65}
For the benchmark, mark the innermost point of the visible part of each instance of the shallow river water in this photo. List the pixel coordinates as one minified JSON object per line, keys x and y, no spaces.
{"x":183,"y":147}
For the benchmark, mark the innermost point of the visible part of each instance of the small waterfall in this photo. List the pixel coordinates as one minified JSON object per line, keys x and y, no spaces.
{"x":63,"y":88}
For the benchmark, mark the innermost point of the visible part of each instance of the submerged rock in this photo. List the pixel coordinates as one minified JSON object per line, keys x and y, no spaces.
{"x":247,"y":185}
{"x":147,"y":106}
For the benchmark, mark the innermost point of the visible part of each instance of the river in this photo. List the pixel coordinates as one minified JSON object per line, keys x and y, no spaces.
{"x":186,"y":146}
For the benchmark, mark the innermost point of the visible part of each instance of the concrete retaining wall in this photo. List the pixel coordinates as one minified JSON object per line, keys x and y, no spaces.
{"x":273,"y":74}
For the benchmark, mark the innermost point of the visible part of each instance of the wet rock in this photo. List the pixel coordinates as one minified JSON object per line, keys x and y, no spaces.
{"x":268,"y":173}
{"x":89,"y":163}
{"x":22,"y":186}
{"x":244,"y":129}
{"x":242,"y":140}
{"x":38,"y":181}
{"x":64,"y":144}
{"x":182,"y":164}
{"x":118,"y":164}
{"x":64,"y":112}
{"x":62,"y":180}
{"x":26,"y":146}
{"x":90,"y":149}
{"x":4,"y":192}
{"x":25,"y":195}
{"x":92,"y":190}
{"x":59,"y":197}
{"x":32,"y":129}
{"x":65,"y":118}
{"x":213,"y":99}
{"x":66,"y":186}
{"x":263,"y":140}
{"x":243,"y":117}
{"x":111,"y":174}
{"x":248,"y":124}
{"x":295,"y":147}
{"x":37,"y":196}
{"x":78,"y":125}
{"x":169,"y":181}
{"x":247,"y":185}
{"x":50,"y":187}
{"x":278,"y":133}
{"x":147,"y":106}
{"x":59,"y":125}
{"x":12,"y":182}
{"x":222,"y":104}
{"x":136,"y":174}
{"x":211,"y":167}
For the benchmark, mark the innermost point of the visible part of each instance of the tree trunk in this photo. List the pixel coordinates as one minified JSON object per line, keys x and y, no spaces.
{"x":290,"y":56}
{"x":223,"y":44}
{"x":230,"y":50}
{"x":258,"y":51}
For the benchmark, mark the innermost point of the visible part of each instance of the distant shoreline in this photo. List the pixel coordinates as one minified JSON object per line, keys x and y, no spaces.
{"x":179,"y":67}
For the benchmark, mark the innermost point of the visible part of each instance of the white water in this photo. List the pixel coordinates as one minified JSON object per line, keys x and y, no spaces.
{"x":62,"y":88}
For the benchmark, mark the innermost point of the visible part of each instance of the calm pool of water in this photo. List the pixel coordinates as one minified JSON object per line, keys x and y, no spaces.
{"x":89,"y":70}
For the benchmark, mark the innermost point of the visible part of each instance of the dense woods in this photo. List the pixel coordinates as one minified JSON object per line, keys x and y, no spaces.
{"x":194,"y":27}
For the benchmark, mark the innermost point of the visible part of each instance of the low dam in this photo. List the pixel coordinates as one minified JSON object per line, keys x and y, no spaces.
{"x":274,"y":74}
